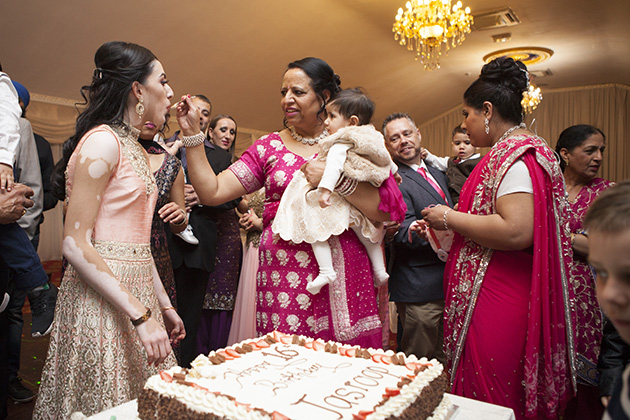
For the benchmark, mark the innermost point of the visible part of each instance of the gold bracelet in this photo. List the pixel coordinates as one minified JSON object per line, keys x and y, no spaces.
{"x":143,"y":318}
{"x":444,"y":218}
{"x":183,"y":222}
{"x":166,"y":308}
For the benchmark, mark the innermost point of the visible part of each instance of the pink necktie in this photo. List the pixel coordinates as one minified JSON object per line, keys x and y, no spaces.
{"x":435,"y":186}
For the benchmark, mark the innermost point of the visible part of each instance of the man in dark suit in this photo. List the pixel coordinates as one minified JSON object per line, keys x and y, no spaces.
{"x":416,"y":273}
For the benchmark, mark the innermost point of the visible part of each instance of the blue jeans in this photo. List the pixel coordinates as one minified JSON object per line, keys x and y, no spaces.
{"x":19,"y":256}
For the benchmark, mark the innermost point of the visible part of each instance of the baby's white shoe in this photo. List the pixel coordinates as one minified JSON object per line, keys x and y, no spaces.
{"x":188,"y":235}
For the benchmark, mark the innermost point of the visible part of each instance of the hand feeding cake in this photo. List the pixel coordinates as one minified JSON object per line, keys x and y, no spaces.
{"x":290,"y":377}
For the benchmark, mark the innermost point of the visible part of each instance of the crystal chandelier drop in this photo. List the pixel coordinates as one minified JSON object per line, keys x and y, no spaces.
{"x":531,"y":99}
{"x":431,"y":27}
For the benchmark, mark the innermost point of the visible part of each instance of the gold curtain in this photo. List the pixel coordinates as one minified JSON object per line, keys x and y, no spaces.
{"x":606,"y":107}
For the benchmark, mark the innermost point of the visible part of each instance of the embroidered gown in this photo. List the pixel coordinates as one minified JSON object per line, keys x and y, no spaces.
{"x":95,"y":359}
{"x":344,"y":311}
{"x":508,"y":332}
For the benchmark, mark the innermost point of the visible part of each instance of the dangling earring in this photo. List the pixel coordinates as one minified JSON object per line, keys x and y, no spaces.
{"x":566,"y":161}
{"x":487,"y":127}
{"x":140,"y":107}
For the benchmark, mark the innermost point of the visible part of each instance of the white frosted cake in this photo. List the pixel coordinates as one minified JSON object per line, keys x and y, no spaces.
{"x":284,"y":376}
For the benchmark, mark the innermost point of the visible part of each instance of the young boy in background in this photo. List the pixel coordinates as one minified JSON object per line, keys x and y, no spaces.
{"x":608,"y":225}
{"x":458,"y":167}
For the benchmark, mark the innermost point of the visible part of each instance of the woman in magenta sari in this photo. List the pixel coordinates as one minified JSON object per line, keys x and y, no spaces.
{"x":581,"y":148}
{"x":507,"y":327}
{"x":346,"y":311}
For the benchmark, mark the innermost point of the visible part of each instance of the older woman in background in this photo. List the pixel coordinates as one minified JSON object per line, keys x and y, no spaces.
{"x":581,"y":148}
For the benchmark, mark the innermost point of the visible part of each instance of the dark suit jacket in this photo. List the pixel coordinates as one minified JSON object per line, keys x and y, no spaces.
{"x":202,"y":255}
{"x":416,"y":273}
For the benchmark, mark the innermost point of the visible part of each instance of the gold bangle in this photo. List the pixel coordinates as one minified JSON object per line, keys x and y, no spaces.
{"x":182,"y":223}
{"x":166,"y":308}
{"x":143,"y":318}
{"x":444,"y":218}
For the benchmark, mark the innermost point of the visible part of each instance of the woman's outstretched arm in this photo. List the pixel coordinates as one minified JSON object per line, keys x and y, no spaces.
{"x":211,"y":189}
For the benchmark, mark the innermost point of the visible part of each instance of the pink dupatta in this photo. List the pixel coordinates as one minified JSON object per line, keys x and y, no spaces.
{"x":549,"y":354}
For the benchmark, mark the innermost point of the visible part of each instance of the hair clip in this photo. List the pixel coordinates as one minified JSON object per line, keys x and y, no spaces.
{"x":98,"y":73}
{"x":526,"y":75}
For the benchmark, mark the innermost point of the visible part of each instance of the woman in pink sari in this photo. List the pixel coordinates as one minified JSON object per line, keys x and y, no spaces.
{"x":507,"y":326}
{"x":581,"y":148}
{"x":346,"y":310}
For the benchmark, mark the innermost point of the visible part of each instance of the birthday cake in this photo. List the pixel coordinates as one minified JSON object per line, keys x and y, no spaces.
{"x":282,"y":376}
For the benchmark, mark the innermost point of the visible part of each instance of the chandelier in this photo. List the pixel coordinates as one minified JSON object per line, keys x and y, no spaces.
{"x":531,"y":99}
{"x":431,"y":27}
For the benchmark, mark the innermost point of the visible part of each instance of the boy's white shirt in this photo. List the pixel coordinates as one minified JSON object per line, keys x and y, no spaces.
{"x":10,"y":113}
{"x":441,"y":163}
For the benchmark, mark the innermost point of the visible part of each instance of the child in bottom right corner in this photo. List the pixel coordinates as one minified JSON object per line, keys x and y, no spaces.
{"x":457,"y":167}
{"x":608,"y":224}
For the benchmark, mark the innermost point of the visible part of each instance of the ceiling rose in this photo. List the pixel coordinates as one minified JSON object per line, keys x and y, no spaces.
{"x":527,"y":55}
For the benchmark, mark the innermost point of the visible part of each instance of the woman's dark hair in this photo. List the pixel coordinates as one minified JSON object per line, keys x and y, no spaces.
{"x":354,"y":102}
{"x":501,"y":82}
{"x":118,"y":65}
{"x":573,"y":137}
{"x":323,"y":78}
{"x":213,"y":124}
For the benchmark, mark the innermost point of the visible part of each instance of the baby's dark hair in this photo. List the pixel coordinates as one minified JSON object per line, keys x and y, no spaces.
{"x":354,"y":101}
{"x":458,"y":130}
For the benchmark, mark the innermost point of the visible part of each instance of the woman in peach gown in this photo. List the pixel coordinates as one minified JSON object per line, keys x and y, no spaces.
{"x":109,"y":334}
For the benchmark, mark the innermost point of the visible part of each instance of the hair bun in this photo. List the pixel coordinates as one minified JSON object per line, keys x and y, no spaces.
{"x":337,"y":80}
{"x":504,"y":71}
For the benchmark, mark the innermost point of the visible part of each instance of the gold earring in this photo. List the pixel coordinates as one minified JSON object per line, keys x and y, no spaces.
{"x":140,"y":107}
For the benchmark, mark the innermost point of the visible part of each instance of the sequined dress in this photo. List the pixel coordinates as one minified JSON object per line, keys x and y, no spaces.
{"x":95,"y":359}
{"x":164,"y":177}
{"x":344,"y":311}
{"x":584,"y":304}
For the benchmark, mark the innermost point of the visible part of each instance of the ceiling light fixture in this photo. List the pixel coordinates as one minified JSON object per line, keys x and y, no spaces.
{"x":527,"y":55}
{"x":531,"y":99}
{"x":431,"y":27}
{"x":501,"y":38}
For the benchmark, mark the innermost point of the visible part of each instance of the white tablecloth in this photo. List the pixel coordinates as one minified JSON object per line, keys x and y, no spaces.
{"x":465,"y":409}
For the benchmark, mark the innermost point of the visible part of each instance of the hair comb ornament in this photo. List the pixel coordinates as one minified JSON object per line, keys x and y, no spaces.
{"x":98,"y":73}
